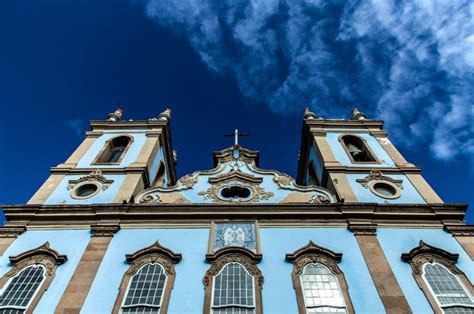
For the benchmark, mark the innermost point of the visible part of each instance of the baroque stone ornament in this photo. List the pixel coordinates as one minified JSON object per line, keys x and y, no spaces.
{"x":425,"y":253}
{"x":376,"y":175}
{"x":188,"y":181}
{"x":94,"y":176}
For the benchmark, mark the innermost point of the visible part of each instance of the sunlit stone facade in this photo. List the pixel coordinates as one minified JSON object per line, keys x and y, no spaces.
{"x":113,"y":230}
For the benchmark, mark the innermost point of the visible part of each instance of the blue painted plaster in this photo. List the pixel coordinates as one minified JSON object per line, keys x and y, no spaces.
{"x":188,"y":293}
{"x":61,"y":195}
{"x":71,"y":243}
{"x":154,"y":166}
{"x":130,"y":156}
{"x":409,"y":194}
{"x":278,"y":293}
{"x":318,"y":164}
{"x":341,"y":155}
{"x":395,"y":241}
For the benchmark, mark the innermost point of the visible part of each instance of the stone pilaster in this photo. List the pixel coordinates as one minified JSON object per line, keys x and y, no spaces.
{"x":464,"y":234}
{"x":385,"y":282}
{"x":8,"y":234}
{"x":81,"y":281}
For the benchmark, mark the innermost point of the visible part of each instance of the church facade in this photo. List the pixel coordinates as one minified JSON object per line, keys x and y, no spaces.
{"x":359,"y":230}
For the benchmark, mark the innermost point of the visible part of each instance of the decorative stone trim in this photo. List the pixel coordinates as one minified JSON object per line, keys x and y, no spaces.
{"x":227,"y":255}
{"x":94,"y":176}
{"x":43,"y":255}
{"x":362,"y":228}
{"x":425,"y":253}
{"x":104,"y":230}
{"x":460,"y":230}
{"x":377,"y":175}
{"x":11,"y":231}
{"x":155,"y":253}
{"x":312,"y":253}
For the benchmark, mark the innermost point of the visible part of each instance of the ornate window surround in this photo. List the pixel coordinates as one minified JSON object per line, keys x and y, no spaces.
{"x":376,"y":176}
{"x":107,"y":147}
{"x":95,"y":178}
{"x":43,"y":255}
{"x":312,"y":253}
{"x":233,"y":254}
{"x":366,"y":145}
{"x":423,"y":254}
{"x":155,"y":253}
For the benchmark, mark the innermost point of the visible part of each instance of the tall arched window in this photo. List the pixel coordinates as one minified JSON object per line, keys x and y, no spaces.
{"x":319,"y":284}
{"x":233,"y":282}
{"x":357,"y":150}
{"x":446,"y":287}
{"x":25,"y":283}
{"x":146,"y":286}
{"x":114,"y":150}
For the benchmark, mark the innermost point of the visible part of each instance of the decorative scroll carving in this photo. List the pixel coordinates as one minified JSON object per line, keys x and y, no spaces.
{"x":283,"y":180}
{"x":43,"y":255}
{"x":315,"y":199}
{"x":376,"y":175}
{"x":313,"y":249}
{"x":257,"y":192}
{"x":188,"y":181}
{"x":425,"y":253}
{"x":94,"y":176}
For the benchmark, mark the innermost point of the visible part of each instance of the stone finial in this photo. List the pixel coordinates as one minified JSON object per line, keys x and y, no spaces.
{"x":357,"y":115}
{"x":115,"y":116}
{"x":165,"y":115}
{"x":175,"y":156}
{"x":308,"y":114}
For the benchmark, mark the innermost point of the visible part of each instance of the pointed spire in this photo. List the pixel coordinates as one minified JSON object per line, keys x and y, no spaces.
{"x":165,"y":115}
{"x":115,"y":116}
{"x":308,"y":114}
{"x":357,"y":115}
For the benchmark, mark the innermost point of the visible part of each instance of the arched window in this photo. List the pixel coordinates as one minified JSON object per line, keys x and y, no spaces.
{"x":446,"y":287}
{"x":357,"y":150}
{"x":319,"y":284}
{"x":146,"y":286}
{"x":233,"y":282}
{"x":114,"y":150}
{"x":31,"y":275}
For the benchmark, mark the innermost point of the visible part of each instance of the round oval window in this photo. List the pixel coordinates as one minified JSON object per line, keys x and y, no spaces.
{"x":385,"y":189}
{"x":235,"y":192}
{"x":86,"y":190}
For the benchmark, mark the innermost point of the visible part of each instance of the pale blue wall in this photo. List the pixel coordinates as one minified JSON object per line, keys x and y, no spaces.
{"x":278,"y":293}
{"x":61,"y":195}
{"x":188,"y":293}
{"x":155,"y":164}
{"x":341,"y":155}
{"x":409,"y":195}
{"x":71,"y":243}
{"x":395,"y":241}
{"x":130,"y":156}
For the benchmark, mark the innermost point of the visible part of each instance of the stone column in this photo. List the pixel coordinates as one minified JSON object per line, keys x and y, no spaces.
{"x":385,"y":282}
{"x":81,"y":281}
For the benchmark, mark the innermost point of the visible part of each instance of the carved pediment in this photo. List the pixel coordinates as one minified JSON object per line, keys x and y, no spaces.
{"x":155,"y":248}
{"x":43,"y":250}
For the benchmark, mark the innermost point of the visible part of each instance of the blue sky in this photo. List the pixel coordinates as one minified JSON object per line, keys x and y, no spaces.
{"x":222,"y":65}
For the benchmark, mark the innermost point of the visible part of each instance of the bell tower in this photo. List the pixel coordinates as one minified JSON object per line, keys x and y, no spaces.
{"x":116,"y":160}
{"x":356,"y":161}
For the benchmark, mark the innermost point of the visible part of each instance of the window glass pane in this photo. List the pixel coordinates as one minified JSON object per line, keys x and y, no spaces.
{"x":321,"y":290}
{"x":22,"y":288}
{"x":233,"y":291}
{"x":446,"y":287}
{"x":145,"y":290}
{"x":458,"y":310}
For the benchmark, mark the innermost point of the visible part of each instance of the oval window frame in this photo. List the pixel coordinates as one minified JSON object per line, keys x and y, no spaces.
{"x":243,"y":186}
{"x":78,"y":186}
{"x":397,"y":190}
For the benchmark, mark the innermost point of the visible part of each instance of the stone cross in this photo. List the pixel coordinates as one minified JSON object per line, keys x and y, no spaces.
{"x":236,"y":135}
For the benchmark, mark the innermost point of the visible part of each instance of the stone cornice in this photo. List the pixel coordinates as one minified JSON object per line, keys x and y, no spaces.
{"x":11,"y":231}
{"x":344,"y":124}
{"x":104,"y":230}
{"x":362,"y":228}
{"x":75,"y":215}
{"x":459,"y":230}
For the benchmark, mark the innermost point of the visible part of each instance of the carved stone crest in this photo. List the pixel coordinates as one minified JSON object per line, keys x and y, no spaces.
{"x":376,"y":175}
{"x":94,"y":176}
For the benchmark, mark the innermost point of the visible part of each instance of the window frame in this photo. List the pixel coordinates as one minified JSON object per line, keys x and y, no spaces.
{"x":154,"y":254}
{"x":425,"y":254}
{"x":314,"y":254}
{"x":228,"y":255}
{"x":106,"y":149}
{"x":366,"y":146}
{"x":43,"y":256}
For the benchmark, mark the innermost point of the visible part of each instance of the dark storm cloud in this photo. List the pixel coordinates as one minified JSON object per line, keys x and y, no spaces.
{"x":410,"y":63}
